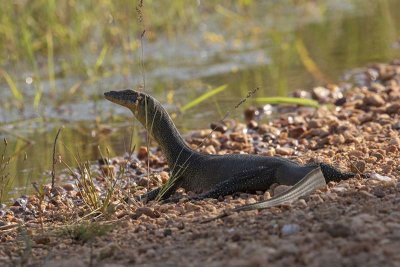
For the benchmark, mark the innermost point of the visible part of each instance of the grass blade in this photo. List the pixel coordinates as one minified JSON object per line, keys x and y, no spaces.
{"x":203,"y":97}
{"x":13,"y":87}
{"x":287,"y":100}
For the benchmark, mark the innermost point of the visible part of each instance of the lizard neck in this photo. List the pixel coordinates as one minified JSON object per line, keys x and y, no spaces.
{"x":161,"y":127}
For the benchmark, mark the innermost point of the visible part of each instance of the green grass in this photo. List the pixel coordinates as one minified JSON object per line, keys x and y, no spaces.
{"x":287,"y":100}
{"x":85,"y":232}
{"x":203,"y":97}
{"x":5,"y":177}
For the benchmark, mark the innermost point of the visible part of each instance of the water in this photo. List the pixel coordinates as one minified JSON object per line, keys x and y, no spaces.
{"x":269,"y":46}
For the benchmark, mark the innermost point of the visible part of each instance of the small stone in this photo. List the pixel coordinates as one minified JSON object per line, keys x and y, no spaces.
{"x":378,"y":192}
{"x":270,"y":152}
{"x":20,"y":202}
{"x":285,"y":151}
{"x":289,"y":229}
{"x":69,"y":187}
{"x":358,"y":166}
{"x":314,"y":124}
{"x":236,"y":237}
{"x":296,"y":132}
{"x":42,"y":239}
{"x":164,"y":176}
{"x":337,"y":139}
{"x":250,"y":113}
{"x":393,"y":108}
{"x":321,"y":94}
{"x":144,"y":182}
{"x":238,"y":137}
{"x":252,"y":124}
{"x":210,"y":150}
{"x":396,"y":126}
{"x":181,"y":226}
{"x":265,"y":128}
{"x":377,"y":155}
{"x":392,"y":149}
{"x":337,"y":230}
{"x":191,"y":207}
{"x":268,"y":137}
{"x":301,"y":203}
{"x":374,"y":100}
{"x":142,"y":153}
{"x":395,"y":141}
{"x":340,"y":101}
{"x":218,"y":127}
{"x":381,"y":178}
{"x":146,"y":211}
{"x":167,"y":232}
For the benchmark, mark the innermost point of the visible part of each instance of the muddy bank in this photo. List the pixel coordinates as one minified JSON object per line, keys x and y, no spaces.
{"x":351,"y":223}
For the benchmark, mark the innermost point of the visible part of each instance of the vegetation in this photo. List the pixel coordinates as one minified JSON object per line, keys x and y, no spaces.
{"x":5,"y":177}
{"x":84,"y":232}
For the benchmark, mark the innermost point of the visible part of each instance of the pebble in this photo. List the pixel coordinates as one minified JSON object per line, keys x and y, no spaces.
{"x":164,"y":176}
{"x":321,"y":94}
{"x":358,"y":166}
{"x":337,"y":229}
{"x":250,"y":113}
{"x":374,"y":100}
{"x":252,"y":124}
{"x":301,"y":203}
{"x":68,"y":187}
{"x":20,"y":202}
{"x":218,"y":127}
{"x":210,"y":150}
{"x":284,"y":151}
{"x":142,"y":153}
{"x":381,"y":178}
{"x":146,"y":211}
{"x":378,"y":192}
{"x":289,"y":229}
{"x":377,"y":155}
{"x":393,"y":108}
{"x":144,"y":182}
{"x":297,"y":132}
{"x":264,"y":128}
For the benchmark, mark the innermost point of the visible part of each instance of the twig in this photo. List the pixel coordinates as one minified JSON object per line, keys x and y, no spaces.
{"x":53,"y":171}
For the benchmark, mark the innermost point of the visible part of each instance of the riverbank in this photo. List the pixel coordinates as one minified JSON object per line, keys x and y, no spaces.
{"x":351,"y":223}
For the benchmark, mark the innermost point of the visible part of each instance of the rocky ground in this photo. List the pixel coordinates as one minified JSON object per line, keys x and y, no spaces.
{"x":351,"y":223}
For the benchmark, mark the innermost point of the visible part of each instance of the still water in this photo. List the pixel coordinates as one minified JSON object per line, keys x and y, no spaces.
{"x":269,"y":46}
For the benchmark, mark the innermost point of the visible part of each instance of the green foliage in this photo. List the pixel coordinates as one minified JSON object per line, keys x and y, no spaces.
{"x":5,"y":177}
{"x":85,"y":232}
{"x":287,"y":100}
{"x":203,"y":97}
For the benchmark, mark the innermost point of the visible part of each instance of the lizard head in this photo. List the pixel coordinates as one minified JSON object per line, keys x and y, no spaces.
{"x":131,"y":99}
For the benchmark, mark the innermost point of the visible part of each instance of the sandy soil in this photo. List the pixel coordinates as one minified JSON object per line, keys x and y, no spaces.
{"x":351,"y":223}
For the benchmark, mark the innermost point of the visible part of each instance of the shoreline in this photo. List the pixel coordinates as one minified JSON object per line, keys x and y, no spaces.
{"x":356,"y":129}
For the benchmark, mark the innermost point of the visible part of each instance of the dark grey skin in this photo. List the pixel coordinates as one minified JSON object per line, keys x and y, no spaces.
{"x":212,"y":176}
